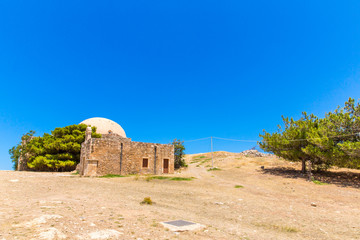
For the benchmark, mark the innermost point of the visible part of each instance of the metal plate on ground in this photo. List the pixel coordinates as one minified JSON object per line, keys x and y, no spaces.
{"x":181,"y":225}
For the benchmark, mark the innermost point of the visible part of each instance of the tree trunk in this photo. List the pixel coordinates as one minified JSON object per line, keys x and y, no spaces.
{"x":309,"y":171}
{"x":303,"y":167}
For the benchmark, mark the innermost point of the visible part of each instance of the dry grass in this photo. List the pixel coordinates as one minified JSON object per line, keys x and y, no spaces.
{"x":149,"y":178}
{"x":200,"y":160}
{"x":112,"y":176}
{"x":280,"y":228}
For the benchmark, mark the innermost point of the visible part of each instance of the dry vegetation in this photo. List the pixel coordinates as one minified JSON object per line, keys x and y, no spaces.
{"x":239,"y":201}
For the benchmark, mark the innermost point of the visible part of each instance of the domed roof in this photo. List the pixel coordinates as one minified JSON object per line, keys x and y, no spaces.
{"x":105,"y":126}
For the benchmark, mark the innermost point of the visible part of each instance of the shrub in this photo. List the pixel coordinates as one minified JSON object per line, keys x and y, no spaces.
{"x":180,"y":179}
{"x":147,"y":201}
{"x":179,"y":153}
{"x":319,"y":182}
{"x":214,"y":169}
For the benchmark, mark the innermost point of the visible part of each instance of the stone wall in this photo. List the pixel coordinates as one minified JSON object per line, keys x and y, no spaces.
{"x":22,"y":163}
{"x":135,"y":152}
{"x":117,"y":155}
{"x":84,"y":154}
{"x":23,"y":159}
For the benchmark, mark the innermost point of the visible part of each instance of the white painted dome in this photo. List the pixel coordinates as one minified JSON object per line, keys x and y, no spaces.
{"x":105,"y":126}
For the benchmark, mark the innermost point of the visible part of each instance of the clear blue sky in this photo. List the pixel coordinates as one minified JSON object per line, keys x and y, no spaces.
{"x":174,"y":69}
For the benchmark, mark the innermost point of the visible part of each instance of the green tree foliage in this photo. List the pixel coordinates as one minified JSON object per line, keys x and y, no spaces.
{"x":20,"y":149}
{"x":15,"y":155}
{"x":288,"y":141}
{"x":58,"y":151}
{"x":323,"y":142}
{"x":179,"y":153}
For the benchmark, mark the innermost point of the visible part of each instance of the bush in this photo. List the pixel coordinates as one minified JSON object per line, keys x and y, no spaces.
{"x":147,"y":201}
{"x":179,"y":153}
{"x":319,"y":182}
{"x":214,"y":169}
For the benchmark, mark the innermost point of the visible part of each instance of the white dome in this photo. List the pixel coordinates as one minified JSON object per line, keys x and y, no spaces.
{"x":105,"y":126}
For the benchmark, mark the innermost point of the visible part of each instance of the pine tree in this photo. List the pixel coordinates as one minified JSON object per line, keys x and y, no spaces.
{"x":330,"y":141}
{"x":58,"y":151}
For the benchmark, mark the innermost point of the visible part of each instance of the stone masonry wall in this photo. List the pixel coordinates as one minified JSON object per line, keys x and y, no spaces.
{"x":22,"y":161}
{"x":107,"y":153}
{"x":135,"y":152}
{"x":84,"y":154}
{"x":116,"y":155}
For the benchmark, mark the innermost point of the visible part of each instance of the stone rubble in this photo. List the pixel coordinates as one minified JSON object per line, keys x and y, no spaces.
{"x":254,"y":153}
{"x":105,"y":234}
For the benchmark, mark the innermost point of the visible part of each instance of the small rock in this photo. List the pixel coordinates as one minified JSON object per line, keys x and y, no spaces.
{"x":105,"y":234}
{"x":219,"y":203}
{"x":313,"y":204}
{"x":52,"y":233}
{"x":48,"y":207}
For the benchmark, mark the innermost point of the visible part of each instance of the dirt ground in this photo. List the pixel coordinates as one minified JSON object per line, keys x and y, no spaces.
{"x":239,"y":201}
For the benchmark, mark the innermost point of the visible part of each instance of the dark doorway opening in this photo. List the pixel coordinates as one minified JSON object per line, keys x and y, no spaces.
{"x":166,"y":166}
{"x":145,"y":163}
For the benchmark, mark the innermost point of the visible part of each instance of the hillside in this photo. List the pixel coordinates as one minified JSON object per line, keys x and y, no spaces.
{"x":239,"y":200}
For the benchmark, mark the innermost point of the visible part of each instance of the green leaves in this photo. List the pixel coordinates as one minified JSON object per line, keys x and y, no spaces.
{"x":330,"y":141}
{"x":15,"y":154}
{"x":20,"y":150}
{"x":44,"y":163}
{"x":179,"y":153}
{"x":58,"y":151}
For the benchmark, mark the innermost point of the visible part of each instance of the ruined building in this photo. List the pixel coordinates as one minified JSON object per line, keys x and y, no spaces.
{"x":114,"y":153}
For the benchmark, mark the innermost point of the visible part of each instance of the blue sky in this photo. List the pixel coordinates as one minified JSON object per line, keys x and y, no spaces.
{"x":174,"y":69}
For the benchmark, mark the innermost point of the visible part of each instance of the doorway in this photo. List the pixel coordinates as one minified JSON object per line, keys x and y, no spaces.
{"x":166,"y":166}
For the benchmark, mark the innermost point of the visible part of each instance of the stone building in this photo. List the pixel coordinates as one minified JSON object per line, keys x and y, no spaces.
{"x":114,"y":153}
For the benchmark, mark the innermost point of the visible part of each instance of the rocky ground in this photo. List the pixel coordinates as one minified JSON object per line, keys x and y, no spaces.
{"x":237,"y":200}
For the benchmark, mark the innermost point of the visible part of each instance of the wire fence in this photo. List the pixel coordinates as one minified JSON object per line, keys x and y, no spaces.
{"x":289,"y":140}
{"x":257,"y":147}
